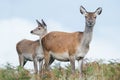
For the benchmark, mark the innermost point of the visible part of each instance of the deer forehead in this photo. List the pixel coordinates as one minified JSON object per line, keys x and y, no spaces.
{"x":90,"y":15}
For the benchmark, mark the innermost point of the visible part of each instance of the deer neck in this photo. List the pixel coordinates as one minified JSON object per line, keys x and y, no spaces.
{"x":40,"y":40}
{"x":87,"y":36}
{"x":41,"y":36}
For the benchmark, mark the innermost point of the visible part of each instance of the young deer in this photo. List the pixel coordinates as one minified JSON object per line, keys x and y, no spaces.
{"x":65,"y":46}
{"x":32,"y":50}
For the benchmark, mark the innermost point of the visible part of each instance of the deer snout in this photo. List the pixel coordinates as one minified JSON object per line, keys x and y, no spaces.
{"x":90,"y":23}
{"x":31,"y":31}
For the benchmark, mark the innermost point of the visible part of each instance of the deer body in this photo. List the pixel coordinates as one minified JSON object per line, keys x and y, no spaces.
{"x":65,"y":46}
{"x":62,"y":49}
{"x":29,"y":50}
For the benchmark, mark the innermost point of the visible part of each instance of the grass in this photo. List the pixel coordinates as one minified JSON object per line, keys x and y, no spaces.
{"x":92,"y":70}
{"x":10,"y":73}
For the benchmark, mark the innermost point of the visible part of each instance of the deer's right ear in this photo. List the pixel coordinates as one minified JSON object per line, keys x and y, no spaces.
{"x":39,"y":24}
{"x":82,"y":10}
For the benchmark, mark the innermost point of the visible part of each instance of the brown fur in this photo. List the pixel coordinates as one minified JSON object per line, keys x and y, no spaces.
{"x":22,"y":46}
{"x":54,"y":42}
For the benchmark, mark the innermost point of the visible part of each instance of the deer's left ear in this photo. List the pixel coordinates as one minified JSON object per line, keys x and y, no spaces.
{"x":98,"y":11}
{"x":43,"y":22}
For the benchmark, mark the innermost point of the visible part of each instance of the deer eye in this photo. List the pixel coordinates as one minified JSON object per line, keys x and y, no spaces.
{"x":94,"y":16}
{"x":39,"y":28}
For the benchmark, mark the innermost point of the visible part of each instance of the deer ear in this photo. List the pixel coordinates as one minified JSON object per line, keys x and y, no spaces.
{"x":43,"y":22}
{"x":98,"y":11}
{"x":82,"y":10}
{"x":39,"y":24}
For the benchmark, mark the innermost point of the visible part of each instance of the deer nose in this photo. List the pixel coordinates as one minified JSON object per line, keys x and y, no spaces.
{"x":90,"y":23}
{"x":31,"y":31}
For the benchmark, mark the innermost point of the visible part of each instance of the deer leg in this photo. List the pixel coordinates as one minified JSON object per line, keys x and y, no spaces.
{"x":24,"y":62}
{"x":21,"y":60}
{"x":40,"y":65}
{"x":35,"y":65}
{"x":47,"y":59}
{"x":51,"y":60}
{"x":72,"y":62}
{"x":80,"y":66}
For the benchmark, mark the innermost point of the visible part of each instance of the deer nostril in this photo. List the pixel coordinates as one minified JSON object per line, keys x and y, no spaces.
{"x":31,"y":32}
{"x":90,"y":23}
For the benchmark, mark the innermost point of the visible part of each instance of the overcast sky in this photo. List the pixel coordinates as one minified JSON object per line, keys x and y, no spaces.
{"x":17,"y":19}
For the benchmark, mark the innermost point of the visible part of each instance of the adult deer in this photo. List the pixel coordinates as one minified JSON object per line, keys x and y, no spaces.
{"x":65,"y":46}
{"x":29,"y":50}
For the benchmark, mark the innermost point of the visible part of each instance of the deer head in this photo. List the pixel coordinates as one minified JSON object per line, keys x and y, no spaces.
{"x":90,"y":17}
{"x":41,"y":29}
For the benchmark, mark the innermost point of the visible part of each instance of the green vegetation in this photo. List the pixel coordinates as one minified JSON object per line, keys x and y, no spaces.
{"x":10,"y":73}
{"x":96,"y":70}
